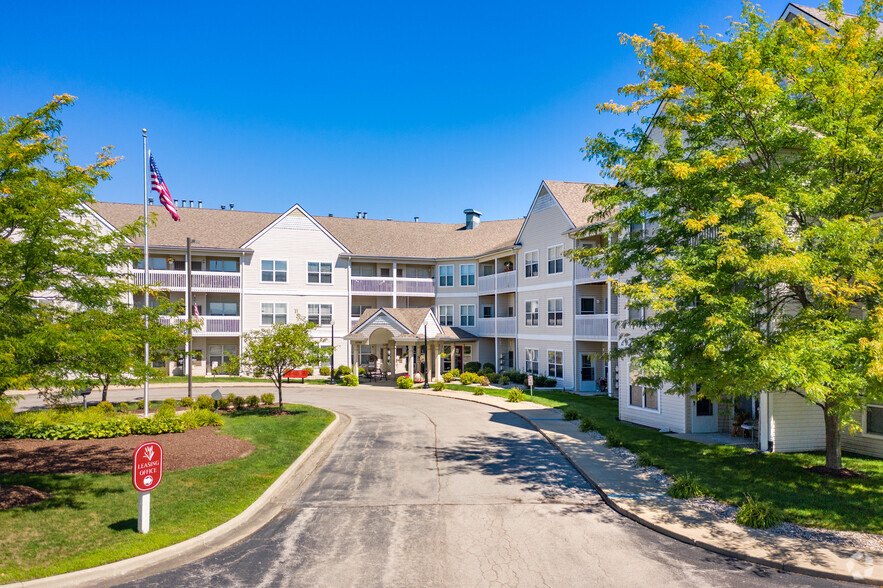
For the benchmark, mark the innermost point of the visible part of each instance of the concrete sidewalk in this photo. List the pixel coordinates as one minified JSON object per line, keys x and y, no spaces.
{"x":631,"y":494}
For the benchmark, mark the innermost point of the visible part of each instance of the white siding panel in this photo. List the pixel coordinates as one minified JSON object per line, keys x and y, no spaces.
{"x":795,"y":425}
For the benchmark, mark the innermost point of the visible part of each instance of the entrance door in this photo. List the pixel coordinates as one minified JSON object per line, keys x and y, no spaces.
{"x":587,"y":373}
{"x":458,"y":357}
{"x":704,"y":414}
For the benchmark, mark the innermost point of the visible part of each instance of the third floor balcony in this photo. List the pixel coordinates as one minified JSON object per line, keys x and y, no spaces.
{"x":385,"y":286}
{"x":176,"y":281}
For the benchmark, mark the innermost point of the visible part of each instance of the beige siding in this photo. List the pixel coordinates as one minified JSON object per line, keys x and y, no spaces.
{"x":795,"y":425}
{"x":672,"y":413}
{"x":865,"y":444}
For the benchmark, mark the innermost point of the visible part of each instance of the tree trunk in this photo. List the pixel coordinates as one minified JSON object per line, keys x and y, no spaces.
{"x":279,"y":385}
{"x":104,"y":392}
{"x":832,"y":439}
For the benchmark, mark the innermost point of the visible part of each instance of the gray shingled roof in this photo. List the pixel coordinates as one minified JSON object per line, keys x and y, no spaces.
{"x":820,"y":15}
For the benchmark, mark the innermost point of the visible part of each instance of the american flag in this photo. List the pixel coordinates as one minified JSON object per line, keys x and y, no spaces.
{"x":157,"y":183}
{"x":196,"y":311}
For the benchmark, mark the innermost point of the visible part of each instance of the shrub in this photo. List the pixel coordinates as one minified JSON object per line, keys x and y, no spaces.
{"x":252,"y":401}
{"x":268,"y":398}
{"x":516,"y":376}
{"x":613,"y":439}
{"x":645,"y":461}
{"x":516,"y":395}
{"x":473,"y":366}
{"x":447,"y":377}
{"x":405,"y":382}
{"x":224,"y":403}
{"x":504,"y":380}
{"x":105,"y":406}
{"x":238,"y":402}
{"x":686,"y":486}
{"x":483,"y":381}
{"x":309,"y":370}
{"x":170,"y":402}
{"x":551,"y":382}
{"x":455,"y":373}
{"x":140,"y":405}
{"x":325,"y":371}
{"x":343,"y":370}
{"x":479,"y":392}
{"x":350,"y":380}
{"x":586,"y":424}
{"x":488,"y":368}
{"x":165,"y":411}
{"x":539,"y":381}
{"x":571,"y":414}
{"x":201,"y":417}
{"x":363,"y":372}
{"x":760,"y":515}
{"x":187,"y":402}
{"x":205,"y":401}
{"x":493,"y":378}
{"x":468,"y":378}
{"x":438,"y":386}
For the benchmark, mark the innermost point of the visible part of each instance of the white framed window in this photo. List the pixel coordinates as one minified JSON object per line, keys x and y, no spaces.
{"x":357,"y":309}
{"x":531,"y":264}
{"x":365,"y":352}
{"x":318,"y":272}
{"x":531,"y":313}
{"x":556,"y":363}
{"x":467,"y":274}
{"x":874,"y":420}
{"x":642,"y":396}
{"x":319,"y":314}
{"x":274,"y":313}
{"x":274,"y":270}
{"x":587,"y":305}
{"x":467,"y":315}
{"x":555,"y":307}
{"x":223,"y":309}
{"x":445,"y":276}
{"x":220,"y":265}
{"x":532,"y":361}
{"x":218,"y":355}
{"x":556,"y":259}
{"x":636,"y":313}
{"x":446,"y":315}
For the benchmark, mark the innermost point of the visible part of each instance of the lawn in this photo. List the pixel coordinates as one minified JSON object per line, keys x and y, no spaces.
{"x":91,"y":519}
{"x":730,"y":473}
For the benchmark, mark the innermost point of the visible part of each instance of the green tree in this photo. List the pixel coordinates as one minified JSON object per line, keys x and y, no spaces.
{"x":277,"y":349}
{"x":751,"y":207}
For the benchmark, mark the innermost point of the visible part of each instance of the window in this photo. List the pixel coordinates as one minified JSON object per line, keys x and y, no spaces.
{"x":587,"y":306}
{"x":636,"y":313}
{"x":445,"y":275}
{"x":556,"y":364}
{"x":446,"y":315}
{"x":218,"y":355}
{"x":223,"y":265}
{"x":556,"y":312}
{"x":556,"y":259}
{"x":156,"y":263}
{"x":365,"y":353}
{"x":487,"y":311}
{"x":467,"y":315}
{"x":532,"y":361}
{"x":531,"y":313}
{"x":874,"y":423}
{"x":274,"y":270}
{"x":531,"y":264}
{"x":357,"y":309}
{"x":319,"y":314}
{"x":362,"y":269}
{"x":467,"y":274}
{"x":641,"y":396}
{"x":223,"y":308}
{"x":318,"y":273}
{"x":274,"y":313}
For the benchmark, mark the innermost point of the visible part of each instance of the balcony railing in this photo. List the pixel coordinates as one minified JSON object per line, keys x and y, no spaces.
{"x":371,"y":285}
{"x":202,"y":281}
{"x":582,"y":273}
{"x":593,"y":326}
{"x":505,"y":327}
{"x":368,"y":285}
{"x":211,"y":325}
{"x":502,"y":282}
{"x":415,"y":286}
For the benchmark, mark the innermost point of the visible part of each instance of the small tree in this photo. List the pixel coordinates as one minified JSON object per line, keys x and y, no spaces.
{"x":277,"y":349}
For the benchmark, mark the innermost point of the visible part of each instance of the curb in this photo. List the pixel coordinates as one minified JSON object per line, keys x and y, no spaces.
{"x":259,"y":513}
{"x":777,"y":565}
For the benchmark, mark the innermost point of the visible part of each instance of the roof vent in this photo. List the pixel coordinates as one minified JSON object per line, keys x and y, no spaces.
{"x":176,"y":203}
{"x":200,"y":203}
{"x":416,"y":219}
{"x":223,"y":207}
{"x":331,"y":215}
{"x":364,"y":215}
{"x":231,"y":206}
{"x":191,"y":204}
{"x":473,"y":218}
{"x":150,"y":201}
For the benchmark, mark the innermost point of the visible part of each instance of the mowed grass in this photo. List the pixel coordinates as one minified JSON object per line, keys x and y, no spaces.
{"x":92,"y":519}
{"x":731,"y":473}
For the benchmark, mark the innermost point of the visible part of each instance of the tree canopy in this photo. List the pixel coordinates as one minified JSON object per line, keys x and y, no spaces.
{"x":750,"y":200}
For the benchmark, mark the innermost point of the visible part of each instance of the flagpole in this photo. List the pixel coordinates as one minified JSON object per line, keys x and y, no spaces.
{"x":146,"y":283}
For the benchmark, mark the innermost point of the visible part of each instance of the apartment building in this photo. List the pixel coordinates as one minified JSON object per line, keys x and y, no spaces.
{"x":497,"y":292}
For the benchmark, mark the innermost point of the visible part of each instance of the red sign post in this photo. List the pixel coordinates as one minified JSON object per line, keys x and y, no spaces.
{"x":146,"y":475}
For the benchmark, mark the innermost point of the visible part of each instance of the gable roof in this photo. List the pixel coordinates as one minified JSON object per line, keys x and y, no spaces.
{"x":794,"y":10}
{"x":572,"y":198}
{"x":409,"y":318}
{"x":302,"y":214}
{"x":214,"y":229}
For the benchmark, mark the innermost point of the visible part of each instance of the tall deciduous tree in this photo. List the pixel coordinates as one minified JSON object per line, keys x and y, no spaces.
{"x":277,"y":349}
{"x":758,"y":183}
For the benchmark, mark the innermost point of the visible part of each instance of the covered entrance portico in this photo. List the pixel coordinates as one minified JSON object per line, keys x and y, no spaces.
{"x":389,"y":342}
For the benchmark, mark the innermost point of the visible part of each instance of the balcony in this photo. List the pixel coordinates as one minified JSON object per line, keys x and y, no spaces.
{"x":212,"y":326}
{"x":502,"y":282}
{"x":176,"y":281}
{"x":499,"y":327}
{"x":593,"y":327}
{"x":583,"y":274}
{"x":381,"y":286}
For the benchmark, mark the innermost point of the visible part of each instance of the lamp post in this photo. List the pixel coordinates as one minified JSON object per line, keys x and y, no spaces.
{"x":332,"y":352}
{"x":189,"y":345}
{"x":425,"y":359}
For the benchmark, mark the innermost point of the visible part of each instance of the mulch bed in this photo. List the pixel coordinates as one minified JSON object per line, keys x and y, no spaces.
{"x":14,"y":496}
{"x":836,"y":472}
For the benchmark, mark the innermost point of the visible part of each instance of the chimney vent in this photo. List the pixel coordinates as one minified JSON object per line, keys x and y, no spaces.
{"x":231,"y":206}
{"x":331,"y":215}
{"x":200,"y":203}
{"x":150,"y":201}
{"x":473,"y":218}
{"x":191,"y":204}
{"x":223,"y":207}
{"x":416,"y":219}
{"x":364,"y":215}
{"x":176,"y":203}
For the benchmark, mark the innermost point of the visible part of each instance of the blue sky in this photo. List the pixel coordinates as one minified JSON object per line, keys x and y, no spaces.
{"x":400,"y":109}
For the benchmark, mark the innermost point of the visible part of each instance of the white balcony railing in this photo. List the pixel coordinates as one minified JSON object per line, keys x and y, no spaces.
{"x":211,"y":325}
{"x":582,"y":273}
{"x":385,"y":285}
{"x":415,"y":286}
{"x":502,"y":282}
{"x":505,"y":327}
{"x":593,"y":326}
{"x":371,"y":285}
{"x":202,"y":281}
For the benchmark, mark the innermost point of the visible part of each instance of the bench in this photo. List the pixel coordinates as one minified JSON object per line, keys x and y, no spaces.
{"x":302,"y":374}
